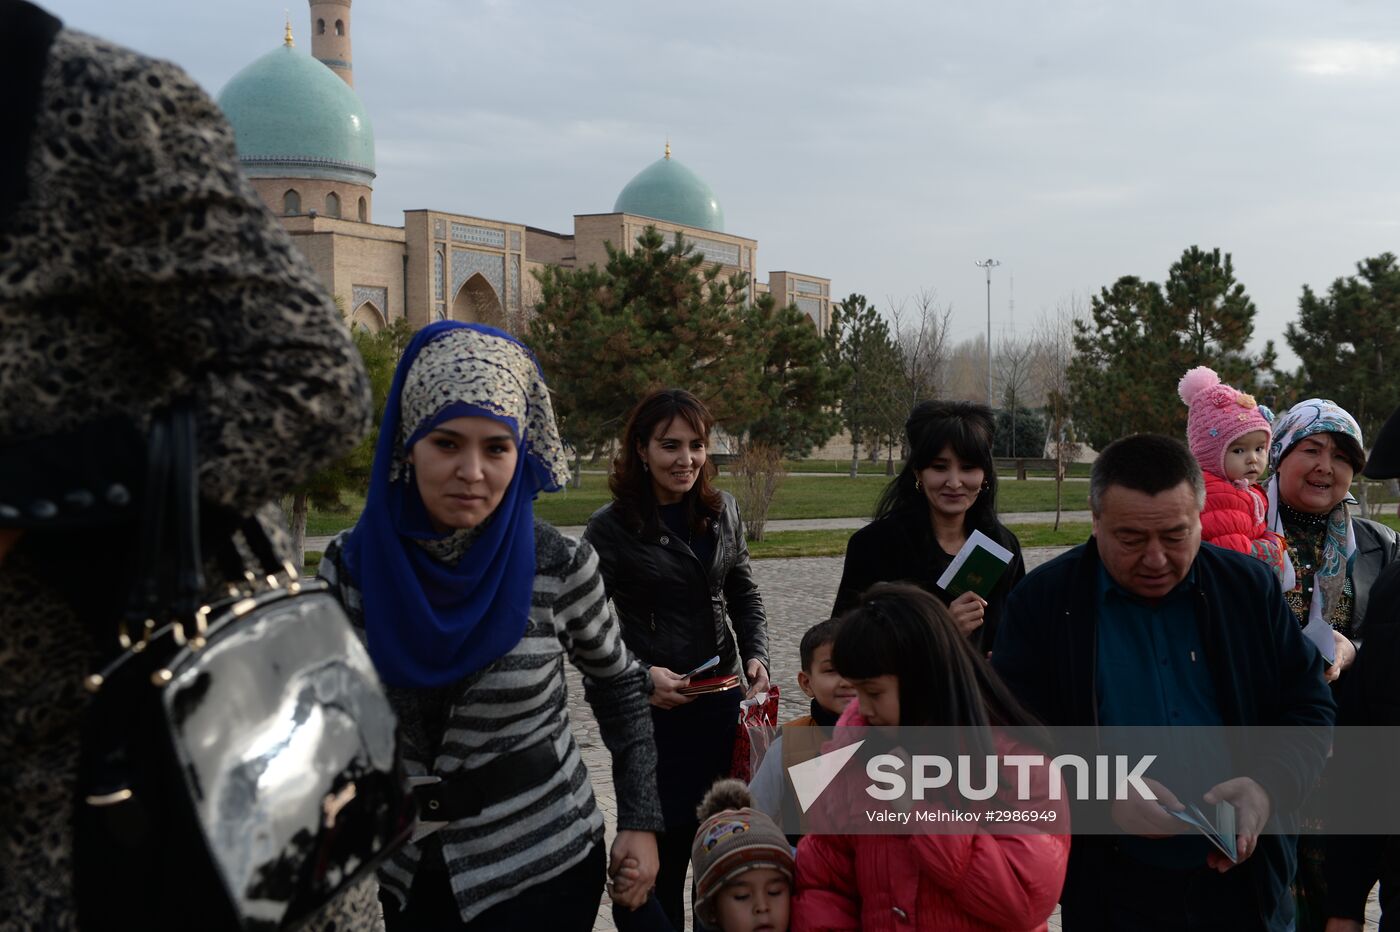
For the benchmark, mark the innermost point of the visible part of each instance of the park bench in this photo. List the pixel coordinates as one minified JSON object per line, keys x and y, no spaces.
{"x":1005,"y":464}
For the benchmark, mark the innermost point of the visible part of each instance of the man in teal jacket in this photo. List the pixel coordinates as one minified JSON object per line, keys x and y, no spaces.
{"x":1145,"y":626}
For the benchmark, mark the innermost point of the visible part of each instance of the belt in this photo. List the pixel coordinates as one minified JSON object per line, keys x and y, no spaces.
{"x":464,"y":793}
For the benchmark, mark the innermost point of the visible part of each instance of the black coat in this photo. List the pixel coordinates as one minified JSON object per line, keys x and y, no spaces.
{"x":1265,"y":673}
{"x":901,"y":547}
{"x":673,"y":610}
{"x":1368,"y":694}
{"x":1376,"y":549}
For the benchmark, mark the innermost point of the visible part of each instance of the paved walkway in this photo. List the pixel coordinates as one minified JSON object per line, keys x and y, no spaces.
{"x":797,"y":593}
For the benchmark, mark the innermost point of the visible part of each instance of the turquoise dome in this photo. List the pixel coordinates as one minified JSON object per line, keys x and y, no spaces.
{"x":667,"y":190}
{"x":292,"y":116}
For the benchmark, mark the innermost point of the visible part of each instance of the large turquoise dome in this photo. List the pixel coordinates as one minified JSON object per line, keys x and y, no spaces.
{"x":292,"y":116}
{"x":667,"y":190}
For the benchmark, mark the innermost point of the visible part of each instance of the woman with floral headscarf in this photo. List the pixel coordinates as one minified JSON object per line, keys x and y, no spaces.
{"x":469,"y":606}
{"x":1333,"y":559}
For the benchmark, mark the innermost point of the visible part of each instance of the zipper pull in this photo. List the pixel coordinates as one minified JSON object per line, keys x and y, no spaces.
{"x":653,"y":621}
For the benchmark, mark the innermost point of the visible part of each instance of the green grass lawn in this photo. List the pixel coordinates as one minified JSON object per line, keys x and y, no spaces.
{"x":798,"y":497}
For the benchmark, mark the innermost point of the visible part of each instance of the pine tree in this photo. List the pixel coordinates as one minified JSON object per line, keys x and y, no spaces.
{"x":860,"y":346}
{"x":799,"y":391}
{"x":656,"y":317}
{"x":1349,"y":342}
{"x":1142,"y":337}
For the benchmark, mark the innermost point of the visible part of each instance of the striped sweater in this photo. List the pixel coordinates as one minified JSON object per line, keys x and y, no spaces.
{"x":515,"y":702}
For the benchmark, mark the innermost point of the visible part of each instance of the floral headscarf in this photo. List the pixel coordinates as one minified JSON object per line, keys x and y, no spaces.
{"x":1306,"y":418}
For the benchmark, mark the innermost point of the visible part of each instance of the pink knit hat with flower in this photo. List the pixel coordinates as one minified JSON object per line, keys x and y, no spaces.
{"x":1219,"y":416}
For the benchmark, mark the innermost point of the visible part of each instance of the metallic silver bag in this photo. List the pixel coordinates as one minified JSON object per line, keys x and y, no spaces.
{"x":240,"y":760}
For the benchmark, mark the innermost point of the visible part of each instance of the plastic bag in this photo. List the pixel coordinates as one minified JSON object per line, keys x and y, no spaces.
{"x":758,"y":726}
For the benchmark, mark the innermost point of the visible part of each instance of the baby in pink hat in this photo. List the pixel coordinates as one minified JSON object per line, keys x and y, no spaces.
{"x":1229,"y":436}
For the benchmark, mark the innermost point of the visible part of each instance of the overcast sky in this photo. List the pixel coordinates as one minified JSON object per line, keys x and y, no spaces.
{"x":883,"y":145}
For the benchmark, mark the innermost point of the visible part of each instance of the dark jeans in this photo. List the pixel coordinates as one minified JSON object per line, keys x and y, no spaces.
{"x":1137,"y":897}
{"x":568,"y":903}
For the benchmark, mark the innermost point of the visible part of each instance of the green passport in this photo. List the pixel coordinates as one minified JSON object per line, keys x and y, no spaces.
{"x":977,"y":567}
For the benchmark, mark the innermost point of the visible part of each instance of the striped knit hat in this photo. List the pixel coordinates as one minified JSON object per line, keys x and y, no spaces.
{"x":733,"y":838}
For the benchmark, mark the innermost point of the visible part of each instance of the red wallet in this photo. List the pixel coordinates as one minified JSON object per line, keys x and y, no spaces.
{"x":710,"y":684}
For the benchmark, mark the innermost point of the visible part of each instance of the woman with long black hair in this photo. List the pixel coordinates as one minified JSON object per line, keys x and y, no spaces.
{"x":946,"y":490}
{"x":674,"y":561}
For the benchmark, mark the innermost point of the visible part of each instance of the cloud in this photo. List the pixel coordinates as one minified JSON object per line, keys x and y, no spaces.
{"x":1348,"y":58}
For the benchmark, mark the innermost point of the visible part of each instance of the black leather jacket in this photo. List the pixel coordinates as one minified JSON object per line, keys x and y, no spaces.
{"x":1376,"y":548}
{"x":671,"y":607}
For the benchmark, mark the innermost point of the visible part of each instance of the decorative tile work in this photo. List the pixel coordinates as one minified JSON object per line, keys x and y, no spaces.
{"x":482,"y":236}
{"x":439,"y":274}
{"x":711,"y":250}
{"x":359,"y":294}
{"x":440,"y":228}
{"x":515,"y":240}
{"x":514,"y":282}
{"x":715,"y":251}
{"x":809,"y":287}
{"x":466,"y":263}
{"x":811,"y":307}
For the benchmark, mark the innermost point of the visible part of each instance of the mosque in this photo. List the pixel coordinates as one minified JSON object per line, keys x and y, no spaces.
{"x":307,"y":144}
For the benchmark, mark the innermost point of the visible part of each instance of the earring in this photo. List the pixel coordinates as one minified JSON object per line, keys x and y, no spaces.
{"x":646,"y":467}
{"x":986,"y":484}
{"x":918,"y":483}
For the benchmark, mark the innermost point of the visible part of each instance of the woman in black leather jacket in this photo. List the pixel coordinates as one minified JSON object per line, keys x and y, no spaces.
{"x":675,"y":564}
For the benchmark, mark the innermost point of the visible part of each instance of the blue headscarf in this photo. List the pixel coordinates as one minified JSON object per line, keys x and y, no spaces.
{"x":430,"y":623}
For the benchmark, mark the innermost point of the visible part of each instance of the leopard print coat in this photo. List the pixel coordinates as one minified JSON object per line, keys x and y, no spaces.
{"x":139,"y":269}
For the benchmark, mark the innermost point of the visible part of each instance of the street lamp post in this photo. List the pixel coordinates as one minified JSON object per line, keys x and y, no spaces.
{"x":988,"y":265}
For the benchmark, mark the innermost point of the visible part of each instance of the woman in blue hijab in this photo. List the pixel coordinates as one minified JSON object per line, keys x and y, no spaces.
{"x":468,"y":606}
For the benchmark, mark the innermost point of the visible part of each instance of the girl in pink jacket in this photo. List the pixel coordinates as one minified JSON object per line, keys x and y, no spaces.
{"x":909,"y":665}
{"x":1229,"y":436}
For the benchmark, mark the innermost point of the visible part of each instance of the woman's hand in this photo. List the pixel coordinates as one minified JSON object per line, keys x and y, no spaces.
{"x":665,"y":683}
{"x":1345,"y":657}
{"x":968,"y":611}
{"x":758,"y":678}
{"x":9,"y":536}
{"x":632,"y":868}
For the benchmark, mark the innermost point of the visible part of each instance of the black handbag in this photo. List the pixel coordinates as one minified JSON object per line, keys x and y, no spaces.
{"x":239,"y":764}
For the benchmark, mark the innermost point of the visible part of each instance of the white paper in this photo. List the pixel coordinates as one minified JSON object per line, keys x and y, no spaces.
{"x":1320,"y":633}
{"x":974,"y":540}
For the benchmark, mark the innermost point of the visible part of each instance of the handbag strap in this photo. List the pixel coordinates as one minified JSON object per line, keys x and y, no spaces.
{"x":145,"y":598}
{"x":263,"y":549}
{"x":169,"y":579}
{"x":188,"y":562}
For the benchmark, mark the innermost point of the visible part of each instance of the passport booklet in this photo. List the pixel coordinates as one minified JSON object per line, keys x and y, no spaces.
{"x":978,"y":567}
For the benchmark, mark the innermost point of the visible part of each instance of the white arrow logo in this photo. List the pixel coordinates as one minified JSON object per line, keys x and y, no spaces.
{"x":810,"y":778}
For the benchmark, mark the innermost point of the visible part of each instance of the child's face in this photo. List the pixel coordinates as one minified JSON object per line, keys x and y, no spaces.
{"x":879,"y":699}
{"x":1247,"y":456}
{"x":755,"y":900}
{"x":824,"y":684}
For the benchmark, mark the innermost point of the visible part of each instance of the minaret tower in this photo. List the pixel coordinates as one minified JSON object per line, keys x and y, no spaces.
{"x":330,"y":36}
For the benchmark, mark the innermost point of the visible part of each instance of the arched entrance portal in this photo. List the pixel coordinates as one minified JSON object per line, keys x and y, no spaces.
{"x":368,"y":318}
{"x":478,"y":303}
